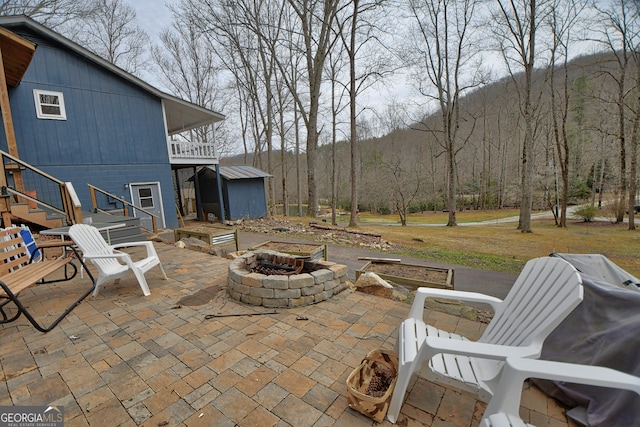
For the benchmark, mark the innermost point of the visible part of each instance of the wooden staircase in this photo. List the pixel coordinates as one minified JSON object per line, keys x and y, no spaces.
{"x":23,"y":213}
{"x":47,"y":201}
{"x":53,"y":203}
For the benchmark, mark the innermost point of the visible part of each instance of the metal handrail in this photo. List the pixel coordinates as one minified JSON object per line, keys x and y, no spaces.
{"x":125,"y":205}
{"x":28,"y":166}
{"x":9,"y":190}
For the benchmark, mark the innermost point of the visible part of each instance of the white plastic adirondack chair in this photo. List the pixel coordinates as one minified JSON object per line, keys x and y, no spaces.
{"x":504,"y":408}
{"x":107,"y":258}
{"x":544,"y":293}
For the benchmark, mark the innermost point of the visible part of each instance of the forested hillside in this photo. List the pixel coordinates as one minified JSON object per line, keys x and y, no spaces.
{"x":397,"y":106}
{"x":408,"y":164}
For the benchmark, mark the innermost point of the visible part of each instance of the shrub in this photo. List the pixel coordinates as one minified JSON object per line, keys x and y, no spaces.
{"x":415,"y":207}
{"x":586,"y":212}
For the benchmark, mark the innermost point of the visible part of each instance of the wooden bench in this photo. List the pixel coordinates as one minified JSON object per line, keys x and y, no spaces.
{"x":18,"y":272}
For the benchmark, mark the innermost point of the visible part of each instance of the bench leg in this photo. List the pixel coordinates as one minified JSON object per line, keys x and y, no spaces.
{"x":23,"y":310}
{"x":5,"y":319}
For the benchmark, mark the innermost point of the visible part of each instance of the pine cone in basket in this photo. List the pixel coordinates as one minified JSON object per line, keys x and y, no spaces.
{"x":380,"y":382}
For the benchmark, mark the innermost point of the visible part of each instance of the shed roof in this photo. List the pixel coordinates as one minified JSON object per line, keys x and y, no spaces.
{"x":181,"y":115}
{"x":241,"y":172}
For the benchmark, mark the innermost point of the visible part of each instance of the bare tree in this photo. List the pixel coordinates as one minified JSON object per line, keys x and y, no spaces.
{"x":190,"y":70}
{"x":110,"y":30}
{"x":405,"y":182}
{"x":563,"y":17}
{"x":283,"y":103}
{"x":358,"y":31}
{"x":618,"y":26}
{"x":315,"y":21}
{"x":52,"y":13}
{"x":334,"y":67}
{"x":446,"y":47}
{"x":634,"y":43}
{"x":516,"y":23}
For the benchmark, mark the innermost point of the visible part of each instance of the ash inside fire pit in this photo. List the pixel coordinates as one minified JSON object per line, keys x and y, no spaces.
{"x":274,"y":279}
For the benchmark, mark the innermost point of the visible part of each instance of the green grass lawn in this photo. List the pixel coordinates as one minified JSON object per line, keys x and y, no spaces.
{"x":500,"y":246}
{"x":432,"y":217}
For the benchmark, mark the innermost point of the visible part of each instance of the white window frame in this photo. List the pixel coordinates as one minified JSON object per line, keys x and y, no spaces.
{"x":42,"y":115}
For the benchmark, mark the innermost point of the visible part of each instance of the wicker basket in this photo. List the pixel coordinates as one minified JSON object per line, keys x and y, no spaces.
{"x":381,"y":367}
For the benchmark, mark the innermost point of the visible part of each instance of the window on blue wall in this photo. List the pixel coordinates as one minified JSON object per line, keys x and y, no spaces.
{"x":49,"y":105}
{"x":146,"y":198}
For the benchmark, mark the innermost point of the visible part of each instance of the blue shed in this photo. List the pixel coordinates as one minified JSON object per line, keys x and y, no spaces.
{"x":83,"y":120}
{"x":243,"y":191}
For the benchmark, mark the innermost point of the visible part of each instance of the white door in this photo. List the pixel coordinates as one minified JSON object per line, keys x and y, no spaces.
{"x":147,"y":195}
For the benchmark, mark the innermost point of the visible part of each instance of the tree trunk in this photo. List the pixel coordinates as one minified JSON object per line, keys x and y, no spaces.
{"x":353,"y":220}
{"x":622,"y":151}
{"x":296,"y":121}
{"x":451,"y":190}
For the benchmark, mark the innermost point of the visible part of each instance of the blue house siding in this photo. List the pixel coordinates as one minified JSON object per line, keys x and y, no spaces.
{"x":114,"y":133}
{"x":113,"y":179}
{"x":245,"y":198}
{"x":109,"y":120}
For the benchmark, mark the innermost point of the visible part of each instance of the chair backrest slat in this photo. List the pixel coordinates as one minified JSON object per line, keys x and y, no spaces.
{"x":91,"y":242}
{"x":546,"y":291}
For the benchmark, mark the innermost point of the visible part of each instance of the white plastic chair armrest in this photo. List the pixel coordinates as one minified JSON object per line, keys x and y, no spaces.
{"x":574,"y":373}
{"x":151,"y":251}
{"x":417,"y":308}
{"x":506,"y":399}
{"x":106,"y":256}
{"x":131,"y":244}
{"x":479,"y":349}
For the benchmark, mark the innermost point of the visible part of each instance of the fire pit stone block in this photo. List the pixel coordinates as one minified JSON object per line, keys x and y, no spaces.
{"x":303,"y":280}
{"x":339,"y":270}
{"x":331,"y":284}
{"x":323,"y":280}
{"x":287,"y":293}
{"x":253,"y":279}
{"x":236,"y":274}
{"x":312,"y":290}
{"x":262,"y":292}
{"x":322,"y":296}
{"x":275,"y":282}
{"x":251,"y":300}
{"x":274,"y":302}
{"x":321,"y":276}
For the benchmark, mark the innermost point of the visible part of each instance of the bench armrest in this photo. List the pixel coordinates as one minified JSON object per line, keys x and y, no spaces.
{"x":40,"y":247}
{"x":53,"y":244}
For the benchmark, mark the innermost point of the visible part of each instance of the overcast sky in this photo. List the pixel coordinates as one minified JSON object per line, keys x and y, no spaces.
{"x":153,"y":15}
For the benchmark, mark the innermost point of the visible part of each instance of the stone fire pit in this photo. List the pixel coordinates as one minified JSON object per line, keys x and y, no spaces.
{"x":318,"y":281}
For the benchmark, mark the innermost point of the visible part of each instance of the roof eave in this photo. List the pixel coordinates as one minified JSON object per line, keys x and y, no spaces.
{"x":212,"y":116}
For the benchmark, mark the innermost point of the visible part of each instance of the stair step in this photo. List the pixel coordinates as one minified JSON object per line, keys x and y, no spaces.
{"x":44,"y":218}
{"x":125,"y":234}
{"x":131,"y":232}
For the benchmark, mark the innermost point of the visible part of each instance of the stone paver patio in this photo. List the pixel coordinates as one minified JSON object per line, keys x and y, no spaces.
{"x":122,"y":359}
